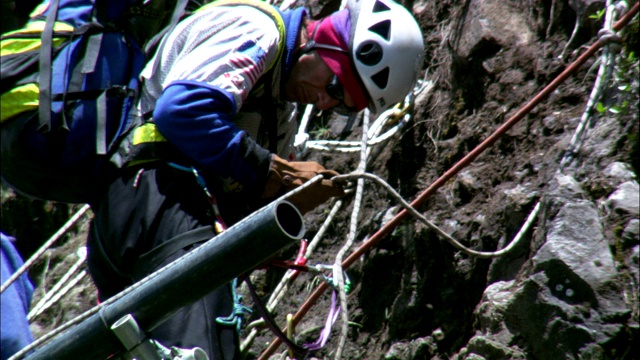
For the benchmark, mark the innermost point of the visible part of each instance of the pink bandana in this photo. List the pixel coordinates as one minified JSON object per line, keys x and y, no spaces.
{"x":334,"y":31}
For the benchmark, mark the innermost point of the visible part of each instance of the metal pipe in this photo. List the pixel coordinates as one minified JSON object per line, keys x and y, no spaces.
{"x":134,"y":339}
{"x":239,"y":249}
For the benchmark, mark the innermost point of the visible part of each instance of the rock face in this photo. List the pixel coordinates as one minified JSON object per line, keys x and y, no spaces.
{"x":568,"y":289}
{"x":570,"y":303}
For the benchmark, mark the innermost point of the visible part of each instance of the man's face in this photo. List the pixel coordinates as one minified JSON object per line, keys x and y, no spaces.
{"x":308,"y":82}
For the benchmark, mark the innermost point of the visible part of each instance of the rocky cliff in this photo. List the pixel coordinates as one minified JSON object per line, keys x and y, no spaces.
{"x":559,"y":189}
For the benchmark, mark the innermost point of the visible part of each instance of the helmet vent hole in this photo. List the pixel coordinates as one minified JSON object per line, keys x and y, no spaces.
{"x":381,"y":78}
{"x":369,"y":53}
{"x":379,"y":6}
{"x":382,"y":28}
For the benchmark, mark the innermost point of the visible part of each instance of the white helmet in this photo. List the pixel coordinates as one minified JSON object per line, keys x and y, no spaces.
{"x":387,"y":50}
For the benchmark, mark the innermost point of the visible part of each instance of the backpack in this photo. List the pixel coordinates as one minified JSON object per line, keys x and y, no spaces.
{"x":69,"y":80}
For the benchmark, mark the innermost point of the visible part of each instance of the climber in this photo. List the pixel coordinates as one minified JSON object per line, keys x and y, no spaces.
{"x":220,"y":98}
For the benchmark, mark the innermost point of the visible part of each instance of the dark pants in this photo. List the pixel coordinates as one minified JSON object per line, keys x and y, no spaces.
{"x":140,"y":212}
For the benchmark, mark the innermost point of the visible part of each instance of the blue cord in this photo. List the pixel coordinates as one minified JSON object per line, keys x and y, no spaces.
{"x":238,"y":313}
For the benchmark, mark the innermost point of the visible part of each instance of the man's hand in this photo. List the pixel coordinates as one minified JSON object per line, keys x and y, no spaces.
{"x":285,"y":176}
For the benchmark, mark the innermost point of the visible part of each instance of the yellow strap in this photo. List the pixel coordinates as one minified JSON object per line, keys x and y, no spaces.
{"x":147,"y":133}
{"x":11,"y":45}
{"x":36,"y":27}
{"x":18,"y":100}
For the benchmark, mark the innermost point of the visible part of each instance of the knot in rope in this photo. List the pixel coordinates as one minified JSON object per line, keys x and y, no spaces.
{"x":237,"y":313}
{"x":609,"y":37}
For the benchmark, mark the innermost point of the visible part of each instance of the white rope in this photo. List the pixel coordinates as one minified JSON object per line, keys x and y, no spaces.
{"x":389,"y":116}
{"x":56,"y":292}
{"x":45,"y":247}
{"x":604,"y":72}
{"x":606,"y":66}
{"x":301,"y":138}
{"x":353,"y":227}
{"x":355,"y":146}
{"x":61,"y":293}
{"x":415,"y":213}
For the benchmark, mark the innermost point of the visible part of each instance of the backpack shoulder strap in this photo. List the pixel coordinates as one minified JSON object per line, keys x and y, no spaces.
{"x":46,"y":68}
{"x":178,"y":12}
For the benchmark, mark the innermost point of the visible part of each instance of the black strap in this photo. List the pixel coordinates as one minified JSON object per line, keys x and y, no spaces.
{"x":112,"y":92}
{"x":86,"y":64}
{"x":179,"y":10}
{"x":272,"y":114}
{"x":298,"y":350}
{"x":89,"y":66}
{"x":149,"y":260}
{"x":46,"y":48}
{"x":347,"y":128}
{"x":268,"y":109}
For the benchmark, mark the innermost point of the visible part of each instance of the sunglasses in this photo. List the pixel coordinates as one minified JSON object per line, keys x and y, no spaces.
{"x":336,"y":91}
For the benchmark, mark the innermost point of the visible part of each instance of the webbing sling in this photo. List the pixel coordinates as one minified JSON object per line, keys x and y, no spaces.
{"x":44,"y":124}
{"x":88,"y":67}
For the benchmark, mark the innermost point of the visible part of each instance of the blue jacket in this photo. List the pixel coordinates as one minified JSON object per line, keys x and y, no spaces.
{"x":197,"y":117}
{"x":16,"y":300}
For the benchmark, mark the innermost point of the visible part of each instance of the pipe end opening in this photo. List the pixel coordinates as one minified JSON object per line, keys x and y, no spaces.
{"x":290,"y":219}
